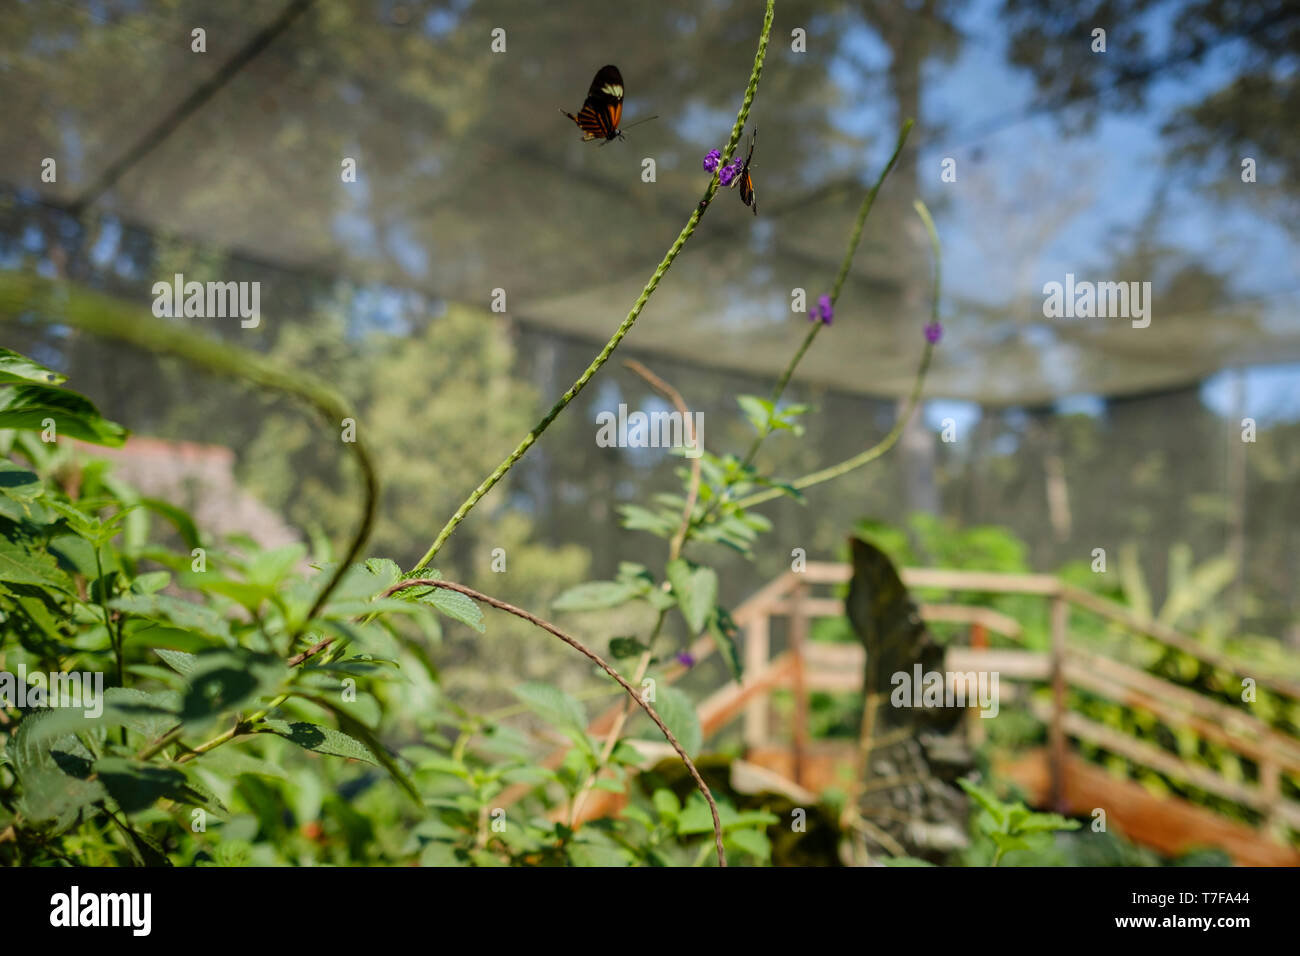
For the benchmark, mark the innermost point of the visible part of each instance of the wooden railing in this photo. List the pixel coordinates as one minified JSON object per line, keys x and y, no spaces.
{"x":804,"y":667}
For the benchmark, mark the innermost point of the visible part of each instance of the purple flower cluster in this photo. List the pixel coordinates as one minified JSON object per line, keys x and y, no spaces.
{"x":686,"y":659}
{"x":824,"y":311}
{"x":933,"y":332}
{"x":713,"y":159}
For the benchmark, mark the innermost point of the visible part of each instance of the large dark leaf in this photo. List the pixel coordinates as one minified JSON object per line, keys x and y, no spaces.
{"x":884,"y":618}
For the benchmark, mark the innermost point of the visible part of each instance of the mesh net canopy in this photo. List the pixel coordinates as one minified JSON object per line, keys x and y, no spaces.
{"x":469,"y":180}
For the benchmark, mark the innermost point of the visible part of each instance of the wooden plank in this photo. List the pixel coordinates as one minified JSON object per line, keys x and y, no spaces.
{"x":1169,"y":825}
{"x":997,"y":582}
{"x":1211,"y":719}
{"x":1148,"y":755}
{"x":1167,"y":635}
{"x":986,"y":617}
{"x":1013,"y":664}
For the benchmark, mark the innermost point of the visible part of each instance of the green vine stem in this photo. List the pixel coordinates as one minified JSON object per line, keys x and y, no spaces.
{"x":531,"y":438}
{"x":888,"y":442}
{"x":111,"y":318}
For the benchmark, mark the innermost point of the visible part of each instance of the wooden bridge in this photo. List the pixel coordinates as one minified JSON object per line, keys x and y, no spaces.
{"x":1054,"y":776}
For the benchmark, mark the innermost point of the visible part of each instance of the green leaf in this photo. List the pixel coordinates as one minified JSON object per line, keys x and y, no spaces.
{"x":151,"y":582}
{"x":229,"y":679}
{"x":595,"y":596}
{"x":19,"y":483}
{"x":20,"y":566}
{"x":26,"y":407}
{"x":179,"y":661}
{"x":677,"y":711}
{"x":555,"y":707}
{"x":268,"y":569}
{"x":137,"y":786}
{"x":696,"y":589}
{"x":1045,"y":822}
{"x":53,"y":774}
{"x":725,"y":631}
{"x":165,"y":609}
{"x":1006,"y":842}
{"x":996,"y":809}
{"x":666,"y":805}
{"x":623,"y":647}
{"x":757,"y":410}
{"x":754,"y":842}
{"x":19,"y":368}
{"x":458,"y":607}
{"x":319,"y":739}
{"x":178,"y":518}
{"x":355,"y":728}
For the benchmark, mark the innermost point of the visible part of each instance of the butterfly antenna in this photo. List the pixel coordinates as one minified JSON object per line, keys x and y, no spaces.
{"x":640,"y":121}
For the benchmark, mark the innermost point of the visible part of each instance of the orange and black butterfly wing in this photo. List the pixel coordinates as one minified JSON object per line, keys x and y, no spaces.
{"x":603,"y":109}
{"x":593,"y":124}
{"x":747,"y":181}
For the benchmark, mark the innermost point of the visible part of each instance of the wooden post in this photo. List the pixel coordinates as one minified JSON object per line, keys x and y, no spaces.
{"x":1060,"y":627}
{"x":798,"y":635}
{"x":757,"y":651}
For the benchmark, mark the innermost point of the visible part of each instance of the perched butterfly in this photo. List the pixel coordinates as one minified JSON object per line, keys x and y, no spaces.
{"x":603,"y":109}
{"x":744,"y":179}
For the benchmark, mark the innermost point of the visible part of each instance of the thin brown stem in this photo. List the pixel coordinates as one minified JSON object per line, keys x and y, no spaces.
{"x":595,"y":659}
{"x":674,"y":396}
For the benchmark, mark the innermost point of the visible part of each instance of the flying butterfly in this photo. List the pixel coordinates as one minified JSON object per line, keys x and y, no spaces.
{"x":745,"y":181}
{"x":603,"y":109}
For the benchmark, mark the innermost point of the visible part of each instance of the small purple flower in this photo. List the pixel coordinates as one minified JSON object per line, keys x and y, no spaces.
{"x":685,"y":659}
{"x":824,"y":308}
{"x":711,"y":160}
{"x":933,"y":332}
{"x":727,"y":174}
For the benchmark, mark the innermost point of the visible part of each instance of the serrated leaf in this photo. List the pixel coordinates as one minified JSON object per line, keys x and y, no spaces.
{"x":18,"y":565}
{"x":458,"y":607}
{"x":229,"y":679}
{"x":355,"y":728}
{"x":319,"y":739}
{"x":54,"y":774}
{"x":137,"y":786}
{"x":165,"y":609}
